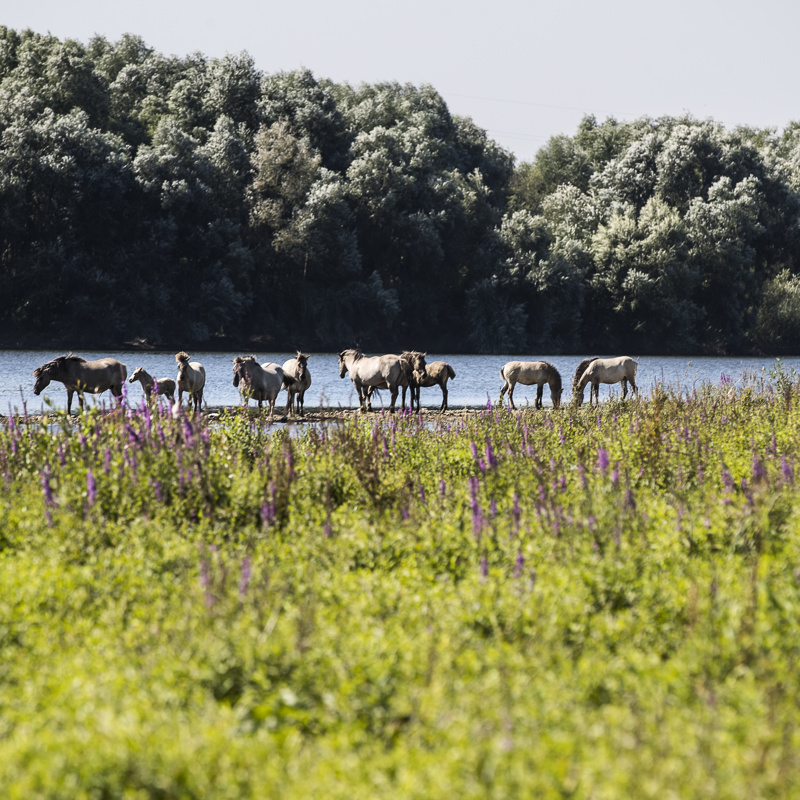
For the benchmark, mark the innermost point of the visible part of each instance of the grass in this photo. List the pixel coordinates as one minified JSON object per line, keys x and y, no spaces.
{"x":587,"y":603}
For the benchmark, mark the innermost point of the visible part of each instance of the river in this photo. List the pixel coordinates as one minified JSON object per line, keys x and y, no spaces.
{"x":477,"y":377}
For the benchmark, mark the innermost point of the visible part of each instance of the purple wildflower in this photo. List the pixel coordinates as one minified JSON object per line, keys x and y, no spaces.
{"x":602,"y":459}
{"x":244,"y":580}
{"x":491,"y":459}
{"x":442,"y":488}
{"x":759,"y":470}
{"x":91,"y":488}
{"x":787,"y":470}
{"x":519,"y":564}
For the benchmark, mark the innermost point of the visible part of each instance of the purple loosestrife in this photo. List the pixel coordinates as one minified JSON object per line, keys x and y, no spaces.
{"x":91,"y":488}
{"x":759,"y":470}
{"x":244,"y":579}
{"x":602,"y":460}
{"x":491,"y":459}
{"x":477,"y":516}
{"x":519,"y":564}
{"x":49,"y":500}
{"x":517,"y":513}
{"x":787,"y":470}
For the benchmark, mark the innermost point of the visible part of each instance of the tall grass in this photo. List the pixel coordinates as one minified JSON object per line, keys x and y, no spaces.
{"x":587,"y":603}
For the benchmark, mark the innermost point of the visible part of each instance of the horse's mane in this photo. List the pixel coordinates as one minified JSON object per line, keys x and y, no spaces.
{"x":59,"y":362}
{"x":553,"y":375}
{"x":581,"y":369}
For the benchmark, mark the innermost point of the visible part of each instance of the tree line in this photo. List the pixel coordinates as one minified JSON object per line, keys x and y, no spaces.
{"x":191,"y":200}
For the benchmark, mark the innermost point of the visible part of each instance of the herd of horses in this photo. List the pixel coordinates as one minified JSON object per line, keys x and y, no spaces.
{"x":407,"y":372}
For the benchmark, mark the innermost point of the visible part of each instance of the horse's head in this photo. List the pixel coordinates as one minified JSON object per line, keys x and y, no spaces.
{"x":556,"y":397}
{"x":342,"y":364}
{"x":419,"y":365}
{"x":43,"y":375}
{"x":240,"y":372}
{"x":137,"y":375}
{"x":302,"y":366}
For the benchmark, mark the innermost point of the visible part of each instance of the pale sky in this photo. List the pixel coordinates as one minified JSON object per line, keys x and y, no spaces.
{"x":523,"y":70}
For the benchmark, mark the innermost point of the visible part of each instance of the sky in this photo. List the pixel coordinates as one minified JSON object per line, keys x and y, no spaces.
{"x":523,"y":70}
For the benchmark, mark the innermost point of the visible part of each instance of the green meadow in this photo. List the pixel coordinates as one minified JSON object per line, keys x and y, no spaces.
{"x":585,"y":603}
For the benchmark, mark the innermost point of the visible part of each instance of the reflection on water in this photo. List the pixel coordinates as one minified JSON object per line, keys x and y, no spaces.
{"x":477,"y":378}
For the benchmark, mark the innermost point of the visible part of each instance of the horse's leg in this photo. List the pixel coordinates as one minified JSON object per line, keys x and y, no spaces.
{"x":444,"y":396}
{"x":511,"y":394}
{"x":70,"y":392}
{"x":624,"y":388}
{"x":539,"y":393}
{"x":634,"y":387}
{"x":301,"y":403}
{"x":503,"y":389}
{"x":393,"y":391}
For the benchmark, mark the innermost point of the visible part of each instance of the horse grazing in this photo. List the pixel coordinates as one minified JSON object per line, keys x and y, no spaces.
{"x":296,"y":379}
{"x":376,"y":372}
{"x":529,"y":373}
{"x":79,"y":375}
{"x":191,"y":379}
{"x":258,"y":381}
{"x":163,"y":387}
{"x":604,"y":370}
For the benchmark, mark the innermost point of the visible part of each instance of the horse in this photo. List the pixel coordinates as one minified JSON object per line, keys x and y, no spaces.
{"x":162,"y":387}
{"x":604,"y":370}
{"x":376,"y":372}
{"x":296,"y":379}
{"x":437,"y":373}
{"x":258,"y":381}
{"x":415,"y":370}
{"x":191,"y":379}
{"x":79,"y":375}
{"x":529,"y":373}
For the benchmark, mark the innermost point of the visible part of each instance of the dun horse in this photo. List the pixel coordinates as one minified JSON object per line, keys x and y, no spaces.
{"x":437,"y":373}
{"x":604,"y":370}
{"x":415,"y":371}
{"x":258,"y":381}
{"x":376,"y":372}
{"x":529,"y":373}
{"x":79,"y":375}
{"x":296,"y":379}
{"x":191,"y":379}
{"x":163,"y":387}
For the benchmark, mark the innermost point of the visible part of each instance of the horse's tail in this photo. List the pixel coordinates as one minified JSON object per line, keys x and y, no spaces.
{"x":450,"y":371}
{"x":581,"y":369}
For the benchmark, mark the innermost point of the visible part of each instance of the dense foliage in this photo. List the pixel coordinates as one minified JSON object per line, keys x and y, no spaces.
{"x":182,"y":199}
{"x":587,"y":602}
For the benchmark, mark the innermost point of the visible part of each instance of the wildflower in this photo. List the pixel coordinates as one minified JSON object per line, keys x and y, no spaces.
{"x":517,"y":513}
{"x":244,"y":580}
{"x":491,"y":460}
{"x":787,"y":470}
{"x":602,"y":459}
{"x":91,"y":488}
{"x":442,"y":488}
{"x":759,"y":470}
{"x":519,"y":564}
